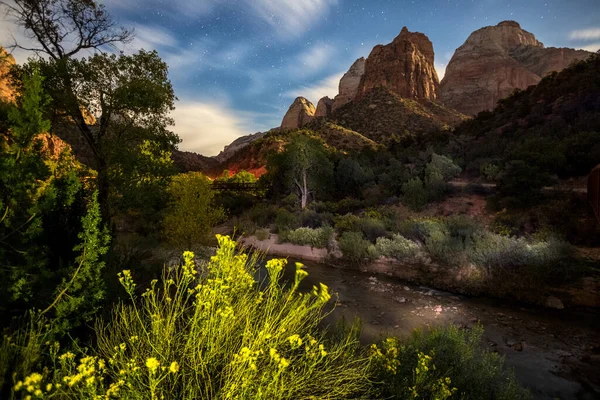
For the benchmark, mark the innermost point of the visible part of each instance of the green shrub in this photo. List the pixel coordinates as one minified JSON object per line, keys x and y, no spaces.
{"x":415,"y":195}
{"x":319,"y":237}
{"x":355,"y":248}
{"x":346,"y":222}
{"x":419,"y":229}
{"x":262,"y":234}
{"x":441,"y":361}
{"x":263,"y":214}
{"x":286,"y":220}
{"x":442,"y":165}
{"x":215,"y":336}
{"x":313,"y":219}
{"x":490,"y":171}
{"x":435,"y":186}
{"x":371,"y":228}
{"x":398,"y":247}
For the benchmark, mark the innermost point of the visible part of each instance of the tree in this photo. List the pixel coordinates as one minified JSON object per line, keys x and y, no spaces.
{"x":191,"y":212}
{"x":303,"y":167}
{"x":116,"y":102}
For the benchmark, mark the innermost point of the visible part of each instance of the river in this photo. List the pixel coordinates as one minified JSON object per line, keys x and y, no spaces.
{"x":555,"y":353}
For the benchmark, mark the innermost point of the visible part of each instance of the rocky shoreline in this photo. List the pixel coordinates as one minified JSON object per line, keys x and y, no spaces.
{"x":468,"y":280}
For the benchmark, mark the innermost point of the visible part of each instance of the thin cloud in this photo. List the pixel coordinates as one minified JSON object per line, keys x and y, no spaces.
{"x":594,"y":47}
{"x":326,"y":87}
{"x":291,"y":18}
{"x":585,"y":34}
{"x":172,"y":8}
{"x":440,"y":68}
{"x":206,"y":128}
{"x":313,"y":60}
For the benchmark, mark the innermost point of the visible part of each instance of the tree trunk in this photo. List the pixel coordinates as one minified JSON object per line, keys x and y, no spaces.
{"x":304,"y":190}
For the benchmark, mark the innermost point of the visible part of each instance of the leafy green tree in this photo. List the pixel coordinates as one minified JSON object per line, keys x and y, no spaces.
{"x":41,"y":200}
{"x":351,"y":178}
{"x":191,"y":212}
{"x":302,"y":167}
{"x":442,"y":165}
{"x":415,"y":194}
{"x":117,"y":102}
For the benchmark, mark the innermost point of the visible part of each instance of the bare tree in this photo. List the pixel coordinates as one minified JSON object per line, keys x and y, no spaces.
{"x":64,"y":28}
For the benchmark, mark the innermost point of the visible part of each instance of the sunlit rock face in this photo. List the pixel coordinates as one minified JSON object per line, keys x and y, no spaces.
{"x":496,"y":60}
{"x":6,"y":63}
{"x":300,"y":113}
{"x":349,"y":83}
{"x":324,"y":107}
{"x":405,"y":67}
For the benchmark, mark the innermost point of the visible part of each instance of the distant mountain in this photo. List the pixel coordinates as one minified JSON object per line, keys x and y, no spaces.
{"x":554,"y":126}
{"x":494,"y":61}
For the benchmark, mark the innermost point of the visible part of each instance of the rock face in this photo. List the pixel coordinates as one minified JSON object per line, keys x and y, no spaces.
{"x":6,"y":62}
{"x":404,"y":67}
{"x":496,"y":60}
{"x":237,"y":145}
{"x":300,"y":113}
{"x":349,"y":83}
{"x":324,"y":107}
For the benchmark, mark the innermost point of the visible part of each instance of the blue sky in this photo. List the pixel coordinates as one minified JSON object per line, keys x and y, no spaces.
{"x":237,"y":65}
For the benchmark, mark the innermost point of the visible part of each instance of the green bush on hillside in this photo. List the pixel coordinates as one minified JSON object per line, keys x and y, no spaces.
{"x":440,"y":362}
{"x":355,"y":248}
{"x":398,"y":247}
{"x":415,"y":194}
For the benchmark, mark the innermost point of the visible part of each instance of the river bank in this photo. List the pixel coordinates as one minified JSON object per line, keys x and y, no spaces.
{"x":468,"y":280}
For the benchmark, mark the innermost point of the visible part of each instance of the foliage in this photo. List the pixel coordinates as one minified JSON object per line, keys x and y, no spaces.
{"x":286,"y":220}
{"x":302,"y":167}
{"x":191,"y":212}
{"x":78,"y":300}
{"x":41,"y":199}
{"x":415,"y":195}
{"x":319,"y":237}
{"x":220,"y":336}
{"x":443,"y":166}
{"x":440,"y":363}
{"x":398,"y":247}
{"x":355,"y":248}
{"x":262,"y":234}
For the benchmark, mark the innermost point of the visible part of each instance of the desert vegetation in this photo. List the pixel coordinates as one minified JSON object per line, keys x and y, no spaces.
{"x":117,"y":285}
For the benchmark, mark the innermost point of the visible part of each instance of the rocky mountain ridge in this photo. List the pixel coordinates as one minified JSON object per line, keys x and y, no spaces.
{"x":496,"y":60}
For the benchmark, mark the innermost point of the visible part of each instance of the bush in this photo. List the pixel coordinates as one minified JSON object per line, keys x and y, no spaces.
{"x":227,"y":337}
{"x":346,"y":222}
{"x":435,"y":186}
{"x":191,"y":212}
{"x":441,"y":362}
{"x":371,"y":228}
{"x":443,"y":166}
{"x":355,"y":248}
{"x":415,"y":195}
{"x":319,"y":237}
{"x":263,"y":214}
{"x":398,"y":247}
{"x":313,"y":219}
{"x":285,"y":220}
{"x":262,"y":234}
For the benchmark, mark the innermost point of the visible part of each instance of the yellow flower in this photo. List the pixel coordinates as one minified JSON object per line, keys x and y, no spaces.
{"x":174,"y":368}
{"x":152,"y":364}
{"x":48,"y":387}
{"x":295,"y":341}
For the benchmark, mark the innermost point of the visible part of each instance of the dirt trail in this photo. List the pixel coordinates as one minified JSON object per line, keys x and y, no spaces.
{"x":555,"y":353}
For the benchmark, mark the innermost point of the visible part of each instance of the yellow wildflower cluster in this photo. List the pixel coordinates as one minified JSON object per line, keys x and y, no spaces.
{"x":321,"y":293}
{"x":247,"y":356}
{"x":126,"y":281}
{"x":87,"y":371}
{"x":33,"y":385}
{"x":282,"y":363}
{"x":295,"y":341}
{"x":152,"y":364}
{"x":389,"y":357}
{"x":189,"y":267}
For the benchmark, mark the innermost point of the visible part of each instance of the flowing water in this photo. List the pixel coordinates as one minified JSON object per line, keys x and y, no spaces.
{"x":555,"y":353}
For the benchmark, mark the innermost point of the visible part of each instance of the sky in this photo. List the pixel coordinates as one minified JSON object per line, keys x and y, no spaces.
{"x":237,"y":65}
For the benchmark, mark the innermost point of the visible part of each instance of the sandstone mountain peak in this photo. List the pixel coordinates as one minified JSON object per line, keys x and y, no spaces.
{"x":349,"y":83}
{"x":324,"y":107}
{"x":405,"y":67}
{"x":300,"y":113}
{"x":494,"y":61}
{"x":509,"y":23}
